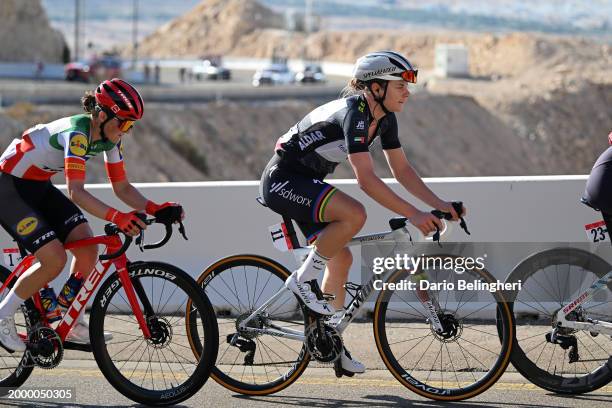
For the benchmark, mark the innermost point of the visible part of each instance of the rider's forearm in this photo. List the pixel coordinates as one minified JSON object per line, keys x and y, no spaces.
{"x":382,"y":194}
{"x":414,"y":184}
{"x":130,"y":196}
{"x":89,"y":203}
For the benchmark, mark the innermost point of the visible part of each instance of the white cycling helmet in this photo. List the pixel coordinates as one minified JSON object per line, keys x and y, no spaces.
{"x":385,"y":65}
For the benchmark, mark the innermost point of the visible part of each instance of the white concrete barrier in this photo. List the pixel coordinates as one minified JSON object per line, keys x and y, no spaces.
{"x":223,"y":218}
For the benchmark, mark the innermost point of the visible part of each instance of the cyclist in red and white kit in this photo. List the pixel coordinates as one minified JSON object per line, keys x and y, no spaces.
{"x":38,"y":216}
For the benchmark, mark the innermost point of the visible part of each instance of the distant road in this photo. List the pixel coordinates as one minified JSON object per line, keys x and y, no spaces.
{"x":170,"y":90}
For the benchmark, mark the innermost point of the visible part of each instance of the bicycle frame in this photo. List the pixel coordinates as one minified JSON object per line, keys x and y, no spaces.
{"x":112,"y":243}
{"x":594,"y":326}
{"x":361,"y":296}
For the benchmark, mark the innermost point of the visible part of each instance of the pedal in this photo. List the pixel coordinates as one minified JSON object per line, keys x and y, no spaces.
{"x":69,"y":345}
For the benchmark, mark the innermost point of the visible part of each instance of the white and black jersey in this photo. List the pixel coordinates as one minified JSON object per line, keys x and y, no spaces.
{"x":328,"y":134}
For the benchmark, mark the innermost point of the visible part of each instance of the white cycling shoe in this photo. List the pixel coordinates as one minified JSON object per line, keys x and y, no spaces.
{"x":351,"y":364}
{"x":310,"y":293}
{"x":9,"y":339}
{"x":80,"y":334}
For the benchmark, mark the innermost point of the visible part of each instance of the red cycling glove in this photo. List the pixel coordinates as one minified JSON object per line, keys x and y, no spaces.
{"x":151,"y":208}
{"x":123,"y":220}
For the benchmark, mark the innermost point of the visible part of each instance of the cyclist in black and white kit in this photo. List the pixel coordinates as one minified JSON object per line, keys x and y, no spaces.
{"x":598,"y":190}
{"x":292,"y":182}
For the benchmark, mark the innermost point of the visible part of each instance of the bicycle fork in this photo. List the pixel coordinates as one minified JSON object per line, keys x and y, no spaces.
{"x":430,"y":303}
{"x":132,"y":289}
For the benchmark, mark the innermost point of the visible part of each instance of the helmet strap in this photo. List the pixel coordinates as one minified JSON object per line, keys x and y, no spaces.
{"x":380,"y":100}
{"x":109,"y":117}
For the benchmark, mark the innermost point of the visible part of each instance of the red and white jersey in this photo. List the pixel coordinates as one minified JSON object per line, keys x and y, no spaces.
{"x":62,"y":145}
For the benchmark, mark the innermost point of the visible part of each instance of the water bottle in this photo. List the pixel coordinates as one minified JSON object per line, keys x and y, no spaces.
{"x":70,"y":290}
{"x":49,"y":303}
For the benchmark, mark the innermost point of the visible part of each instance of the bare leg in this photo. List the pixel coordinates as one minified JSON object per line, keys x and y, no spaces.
{"x":336,"y":275}
{"x":52,"y":258}
{"x":85,"y":258}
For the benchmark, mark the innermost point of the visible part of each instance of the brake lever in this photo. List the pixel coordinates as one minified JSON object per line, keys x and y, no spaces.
{"x":181,"y":229}
{"x":458,"y":206}
{"x":140,"y":241}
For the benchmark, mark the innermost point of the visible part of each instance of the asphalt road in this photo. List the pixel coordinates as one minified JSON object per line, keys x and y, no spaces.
{"x":317,"y":388}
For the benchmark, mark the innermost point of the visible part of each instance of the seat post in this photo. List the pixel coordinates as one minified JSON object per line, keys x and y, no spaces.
{"x":295,"y":243}
{"x":22,"y":251}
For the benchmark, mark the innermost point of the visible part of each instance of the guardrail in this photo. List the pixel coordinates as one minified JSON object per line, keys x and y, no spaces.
{"x":223,"y":218}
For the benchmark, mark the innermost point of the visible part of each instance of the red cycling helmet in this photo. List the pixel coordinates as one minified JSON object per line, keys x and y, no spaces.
{"x":120,"y":98}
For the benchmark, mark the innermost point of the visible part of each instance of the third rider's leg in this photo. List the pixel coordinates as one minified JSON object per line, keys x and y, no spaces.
{"x":346,"y":217}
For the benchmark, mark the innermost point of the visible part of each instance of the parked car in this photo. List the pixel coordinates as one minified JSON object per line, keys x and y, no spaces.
{"x":275,"y":74}
{"x":311,"y":73}
{"x":77,"y":71}
{"x":93,"y":69}
{"x":210,"y":69}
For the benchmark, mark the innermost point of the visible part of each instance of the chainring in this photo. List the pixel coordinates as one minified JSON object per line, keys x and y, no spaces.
{"x":326,"y":348}
{"x":46,"y":348}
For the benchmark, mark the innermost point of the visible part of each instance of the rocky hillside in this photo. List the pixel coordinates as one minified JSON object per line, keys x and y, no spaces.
{"x":233,"y":141}
{"x":214,"y":26}
{"x":552,"y":94}
{"x":26,"y":33}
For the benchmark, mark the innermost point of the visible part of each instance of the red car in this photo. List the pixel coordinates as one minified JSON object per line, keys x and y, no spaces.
{"x":95,"y":69}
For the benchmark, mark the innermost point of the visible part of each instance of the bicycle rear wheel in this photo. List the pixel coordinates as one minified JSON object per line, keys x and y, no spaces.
{"x":465,"y":360}
{"x":257,"y":364}
{"x":160,"y":370}
{"x":550,"y":280}
{"x":15,"y":368}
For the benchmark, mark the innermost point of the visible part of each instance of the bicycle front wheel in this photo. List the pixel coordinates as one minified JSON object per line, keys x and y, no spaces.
{"x":464,"y":360}
{"x":160,"y":370}
{"x":251,"y":363}
{"x":550,"y":281}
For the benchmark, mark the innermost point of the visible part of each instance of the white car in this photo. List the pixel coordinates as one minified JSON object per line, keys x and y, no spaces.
{"x":275,"y":74}
{"x":311,"y":73}
{"x":209,"y":69}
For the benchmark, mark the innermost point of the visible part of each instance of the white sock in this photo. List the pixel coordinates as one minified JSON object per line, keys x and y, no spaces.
{"x":10,"y":304}
{"x":312,"y":267}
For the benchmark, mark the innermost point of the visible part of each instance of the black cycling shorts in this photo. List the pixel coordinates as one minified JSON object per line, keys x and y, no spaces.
{"x":598,"y":191}
{"x":296,"y":196}
{"x":36,"y":212}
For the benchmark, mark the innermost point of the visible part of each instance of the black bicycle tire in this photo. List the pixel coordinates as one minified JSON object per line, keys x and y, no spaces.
{"x":15,"y":379}
{"x":528,"y":369}
{"x":132,"y":391}
{"x":432,"y":392}
{"x":219,"y":376}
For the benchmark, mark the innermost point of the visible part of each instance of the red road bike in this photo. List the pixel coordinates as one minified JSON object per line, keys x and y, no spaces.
{"x":142,"y":304}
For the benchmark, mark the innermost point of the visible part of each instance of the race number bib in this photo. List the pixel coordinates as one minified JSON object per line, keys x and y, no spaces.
{"x":11,"y":256}
{"x":597,"y":232}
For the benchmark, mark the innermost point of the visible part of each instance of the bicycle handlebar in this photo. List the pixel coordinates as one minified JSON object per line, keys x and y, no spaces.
{"x":458,"y":207}
{"x":112,"y":229}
